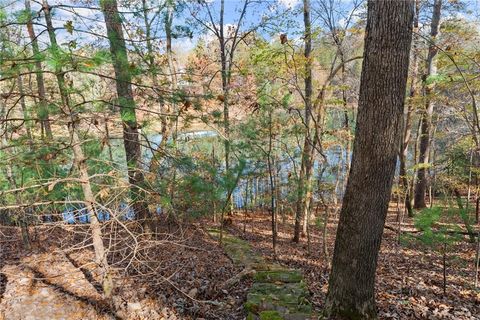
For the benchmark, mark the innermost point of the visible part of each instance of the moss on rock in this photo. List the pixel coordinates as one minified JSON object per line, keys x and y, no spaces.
{"x":270,"y":315}
{"x":285,"y":276}
{"x":287,"y":297}
{"x":278,"y":293}
{"x":251,"y":316}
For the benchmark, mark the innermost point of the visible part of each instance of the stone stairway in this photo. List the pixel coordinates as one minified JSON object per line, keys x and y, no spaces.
{"x":278,"y":293}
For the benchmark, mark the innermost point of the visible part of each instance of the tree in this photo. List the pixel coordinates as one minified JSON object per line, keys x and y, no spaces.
{"x":409,"y":110}
{"x":379,"y":123}
{"x":427,"y":113}
{"x":228,"y":37}
{"x":123,"y":81}
{"x":304,"y":179}
{"x":316,"y":108}
{"x":168,"y":123}
{"x":76,"y":143}
{"x":43,"y":109}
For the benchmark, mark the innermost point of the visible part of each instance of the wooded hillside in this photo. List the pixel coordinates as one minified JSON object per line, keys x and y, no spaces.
{"x":241,"y":159}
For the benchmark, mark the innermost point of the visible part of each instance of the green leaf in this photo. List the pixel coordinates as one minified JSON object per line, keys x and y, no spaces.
{"x":69,"y":26}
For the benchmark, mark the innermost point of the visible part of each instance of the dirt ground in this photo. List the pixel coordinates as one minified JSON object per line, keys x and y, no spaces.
{"x":409,"y":275}
{"x":184,"y":270}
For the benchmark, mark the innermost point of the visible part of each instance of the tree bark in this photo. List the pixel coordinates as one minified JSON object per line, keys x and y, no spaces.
{"x":28,"y":123}
{"x":273,"y":200}
{"x":79,"y":158}
{"x":426,"y":120}
{"x":304,"y":180}
{"x":346,"y":126}
{"x":225,"y":85}
{"x":378,"y":132}
{"x":409,"y":109}
{"x":168,"y":123}
{"x":42,"y":112}
{"x":123,"y":78}
{"x":20,"y":215}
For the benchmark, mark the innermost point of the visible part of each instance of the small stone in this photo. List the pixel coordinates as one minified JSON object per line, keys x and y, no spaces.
{"x":44,"y":292}
{"x":162,"y":298}
{"x":193,"y":293}
{"x":142,"y":292}
{"x":134,"y":306}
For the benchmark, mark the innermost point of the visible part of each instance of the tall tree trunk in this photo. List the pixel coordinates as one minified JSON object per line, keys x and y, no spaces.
{"x":173,"y":123}
{"x":123,"y":78}
{"x":225,"y":74}
{"x":426,"y":120}
{"x":28,"y":123}
{"x":80,"y":162}
{"x":107,"y":138}
{"x":7,"y":165}
{"x":308,"y":198}
{"x":42,"y":112}
{"x":232,"y":37}
{"x":409,"y":109}
{"x":78,"y":154}
{"x":273,"y":202}
{"x":167,"y":123}
{"x":304,"y":180}
{"x":225,"y":79}
{"x":378,"y":131}
{"x":346,"y":126}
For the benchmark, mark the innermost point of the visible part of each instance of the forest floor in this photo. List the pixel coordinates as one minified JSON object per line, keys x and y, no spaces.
{"x":183,"y":274}
{"x":409,"y":275}
{"x":180,"y":275}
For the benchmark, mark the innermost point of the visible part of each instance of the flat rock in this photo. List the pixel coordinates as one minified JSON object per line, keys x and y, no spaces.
{"x":278,"y":293}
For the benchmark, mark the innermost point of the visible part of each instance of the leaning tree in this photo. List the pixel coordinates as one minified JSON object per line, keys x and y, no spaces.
{"x":378,"y":130}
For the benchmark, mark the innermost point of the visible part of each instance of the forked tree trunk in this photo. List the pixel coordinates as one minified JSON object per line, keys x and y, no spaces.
{"x":378,"y":131}
{"x":126,"y":103}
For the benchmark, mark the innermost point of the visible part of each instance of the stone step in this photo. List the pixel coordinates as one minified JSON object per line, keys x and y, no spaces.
{"x":284,"y":297}
{"x":278,"y":293}
{"x":273,"y":276}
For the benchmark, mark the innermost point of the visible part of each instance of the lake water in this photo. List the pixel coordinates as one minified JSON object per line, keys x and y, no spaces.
{"x":284,"y":167}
